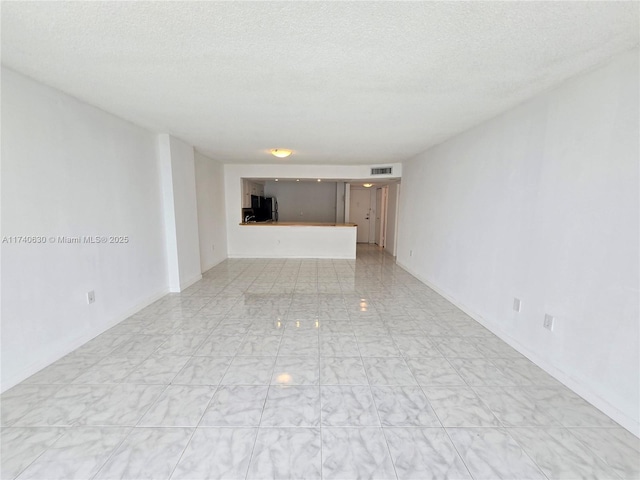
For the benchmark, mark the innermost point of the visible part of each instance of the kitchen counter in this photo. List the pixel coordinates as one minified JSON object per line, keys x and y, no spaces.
{"x":299,"y":224}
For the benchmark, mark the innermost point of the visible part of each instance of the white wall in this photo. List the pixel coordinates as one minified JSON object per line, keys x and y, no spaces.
{"x":211,"y":213}
{"x":392,"y":218}
{"x":304,"y":201}
{"x":238,"y":235}
{"x":181,"y":212}
{"x":541,"y":203}
{"x":69,"y":169}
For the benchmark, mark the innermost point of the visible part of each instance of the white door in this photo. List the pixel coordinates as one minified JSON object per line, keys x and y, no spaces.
{"x":359,"y":213}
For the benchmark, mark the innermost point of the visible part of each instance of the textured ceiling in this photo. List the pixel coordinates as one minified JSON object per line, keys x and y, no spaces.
{"x":337,"y":82}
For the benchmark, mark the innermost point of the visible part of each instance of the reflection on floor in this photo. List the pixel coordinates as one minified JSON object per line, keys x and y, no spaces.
{"x":281,"y":369}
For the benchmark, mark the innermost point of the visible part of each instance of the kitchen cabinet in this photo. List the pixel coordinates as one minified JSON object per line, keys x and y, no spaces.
{"x":250,"y":188}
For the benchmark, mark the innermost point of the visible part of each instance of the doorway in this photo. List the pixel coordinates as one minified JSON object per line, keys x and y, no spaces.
{"x":360,"y":213}
{"x":381,"y":216}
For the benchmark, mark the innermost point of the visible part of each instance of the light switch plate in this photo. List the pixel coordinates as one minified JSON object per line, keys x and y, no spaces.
{"x":517,"y":304}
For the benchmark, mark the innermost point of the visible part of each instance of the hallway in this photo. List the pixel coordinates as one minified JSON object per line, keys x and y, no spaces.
{"x":332,"y":369}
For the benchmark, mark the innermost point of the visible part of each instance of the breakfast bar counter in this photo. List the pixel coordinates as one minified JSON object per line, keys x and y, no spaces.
{"x":298,"y":224}
{"x":298,"y":240}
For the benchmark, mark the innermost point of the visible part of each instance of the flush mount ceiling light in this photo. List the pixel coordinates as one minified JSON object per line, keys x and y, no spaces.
{"x":280,"y":152}
{"x":367,"y":185}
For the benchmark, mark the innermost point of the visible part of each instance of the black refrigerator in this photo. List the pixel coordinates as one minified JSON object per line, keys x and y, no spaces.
{"x":271,"y":208}
{"x":265,"y":208}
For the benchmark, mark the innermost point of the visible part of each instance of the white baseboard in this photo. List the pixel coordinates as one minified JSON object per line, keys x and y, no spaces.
{"x":190,"y":281}
{"x":208,"y":267}
{"x":574,"y":384}
{"x":62,"y":350}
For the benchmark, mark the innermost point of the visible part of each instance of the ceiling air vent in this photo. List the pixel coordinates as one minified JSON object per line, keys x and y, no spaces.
{"x":381,"y":171}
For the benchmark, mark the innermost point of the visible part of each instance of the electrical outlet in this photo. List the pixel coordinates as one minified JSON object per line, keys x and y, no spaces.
{"x":411,"y":253}
{"x":517,"y":304}
{"x":548,"y":322}
{"x":91,"y":297}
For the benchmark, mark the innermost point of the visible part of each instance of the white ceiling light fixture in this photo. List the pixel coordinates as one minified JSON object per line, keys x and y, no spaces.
{"x":280,"y":152}
{"x":367,"y":185}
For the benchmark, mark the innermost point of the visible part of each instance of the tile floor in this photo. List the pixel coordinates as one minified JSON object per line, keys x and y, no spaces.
{"x":278,"y":369}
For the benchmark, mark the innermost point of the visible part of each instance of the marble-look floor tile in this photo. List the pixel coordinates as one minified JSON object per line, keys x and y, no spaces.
{"x":147,"y":453}
{"x":424,"y":454}
{"x":249,"y":371}
{"x":559,"y":454}
{"x":122,"y":405}
{"x":377,"y":346}
{"x":181,"y":344}
{"x":404,"y":406}
{"x":307,"y":324}
{"x":19,"y":400}
{"x":388,"y":371}
{"x":338,"y":345}
{"x":203,"y":371}
{"x":296,"y":371}
{"x":216,"y":345}
{"x":259,"y":345}
{"x":282,"y":453}
{"x":365,"y":328}
{"x":64,"y":407}
{"x":292,"y":406}
{"x":21,"y":446}
{"x":359,"y":351}
{"x":178,"y":406}
{"x":492,"y":454}
{"x":335,"y":326}
{"x":434,"y":371}
{"x":235,"y":406}
{"x":342,"y":371}
{"x":217,"y":453}
{"x":63,"y":371}
{"x":349,"y":453}
{"x":300,"y":344}
{"x":515,"y":406}
{"x":139,"y":345}
{"x":456,"y":347}
{"x":521,"y":371}
{"x":479,"y":371}
{"x":157,"y":369}
{"x":344,"y":405}
{"x":199,"y":323}
{"x":403,"y":327}
{"x":619,"y":448}
{"x":433,"y":328}
{"x":272,"y":327}
{"x":102,"y":345}
{"x":415,"y":346}
{"x":569,"y":409}
{"x":494,"y":348}
{"x":460,"y":407}
{"x":78,"y":454}
{"x":110,"y":369}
